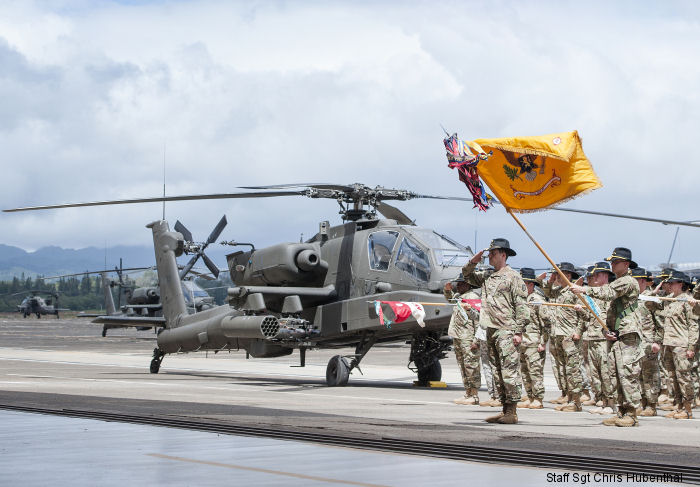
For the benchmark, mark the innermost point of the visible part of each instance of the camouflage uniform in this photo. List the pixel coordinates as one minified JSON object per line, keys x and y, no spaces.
{"x":532,"y":361}
{"x":555,"y":359}
{"x":598,"y":349}
{"x":626,"y":352}
{"x":504,"y":313}
{"x":680,"y":334}
{"x":462,"y":328}
{"x":657,"y":314}
{"x":486,"y":368}
{"x":695,"y":367}
{"x":565,"y":323}
{"x":651,"y":333}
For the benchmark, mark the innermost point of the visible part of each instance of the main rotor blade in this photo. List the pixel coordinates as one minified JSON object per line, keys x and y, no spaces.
{"x":394,"y":213}
{"x":339,"y":187}
{"x":433,"y":197}
{"x":125,"y":269}
{"x":631,"y":217}
{"x":217,"y":231}
{"x":219,"y":196}
{"x":186,"y":234}
{"x":210,"y":265}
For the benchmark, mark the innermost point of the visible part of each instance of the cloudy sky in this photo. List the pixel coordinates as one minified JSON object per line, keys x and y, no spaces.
{"x":96,"y":95}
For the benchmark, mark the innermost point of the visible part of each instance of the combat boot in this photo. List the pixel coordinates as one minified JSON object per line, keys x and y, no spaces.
{"x":585,"y":395}
{"x":591,"y":402}
{"x":470,"y":398}
{"x":524,"y":398}
{"x":559,"y":400}
{"x":600,"y":403}
{"x":611,"y":420}
{"x":686,"y":412}
{"x":496,"y":403}
{"x":697,"y":402}
{"x":608,"y":409}
{"x":628,"y":419}
{"x":668,"y":406}
{"x":663,"y":398}
{"x":494,"y":419}
{"x":650,"y":410}
{"x":563,"y":404}
{"x":596,"y":410}
{"x":536,"y":404}
{"x":574,"y":406}
{"x":525,"y":403}
{"x":510,"y":415}
{"x":489,"y":402}
{"x":672,"y":414}
{"x":465,"y":401}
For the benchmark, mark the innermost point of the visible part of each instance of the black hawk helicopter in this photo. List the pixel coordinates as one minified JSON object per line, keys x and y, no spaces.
{"x":319,"y":293}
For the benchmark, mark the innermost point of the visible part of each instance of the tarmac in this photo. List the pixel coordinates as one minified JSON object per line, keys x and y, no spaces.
{"x":66,"y":364}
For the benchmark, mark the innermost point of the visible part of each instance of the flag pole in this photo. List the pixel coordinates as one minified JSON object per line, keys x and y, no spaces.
{"x":556,"y":268}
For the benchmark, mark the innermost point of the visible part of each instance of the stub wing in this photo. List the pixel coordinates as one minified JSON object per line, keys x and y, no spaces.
{"x":136,"y":321}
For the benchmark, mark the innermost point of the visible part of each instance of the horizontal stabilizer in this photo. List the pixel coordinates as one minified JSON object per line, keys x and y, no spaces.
{"x":130,"y":320}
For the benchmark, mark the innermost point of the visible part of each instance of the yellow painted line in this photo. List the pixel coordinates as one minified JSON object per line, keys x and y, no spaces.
{"x":264,"y":470}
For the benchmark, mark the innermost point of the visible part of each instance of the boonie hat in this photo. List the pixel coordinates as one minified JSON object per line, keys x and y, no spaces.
{"x":502,"y":244}
{"x":622,"y":253}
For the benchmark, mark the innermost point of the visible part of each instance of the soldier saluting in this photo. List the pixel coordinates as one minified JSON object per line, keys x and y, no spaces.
{"x":623,"y":331}
{"x":504,"y":315}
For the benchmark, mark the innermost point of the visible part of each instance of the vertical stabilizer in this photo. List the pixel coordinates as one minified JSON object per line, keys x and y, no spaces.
{"x":107,"y":290}
{"x":167,"y":246}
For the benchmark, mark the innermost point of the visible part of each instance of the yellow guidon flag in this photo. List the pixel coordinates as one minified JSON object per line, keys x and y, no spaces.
{"x":535,"y":173}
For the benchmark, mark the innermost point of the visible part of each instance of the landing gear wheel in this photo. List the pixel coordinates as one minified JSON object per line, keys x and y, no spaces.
{"x":431,"y":373}
{"x":157,"y":359}
{"x":338,"y":371}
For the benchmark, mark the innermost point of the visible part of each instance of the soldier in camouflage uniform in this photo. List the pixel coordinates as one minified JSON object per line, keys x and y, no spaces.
{"x":623,"y":331}
{"x":598,"y":346}
{"x":680,"y":336}
{"x":504,"y":315}
{"x":665,"y":399}
{"x":463,"y":325}
{"x":696,"y":363}
{"x":532,"y":348}
{"x":651,"y":343}
{"x":567,"y":327}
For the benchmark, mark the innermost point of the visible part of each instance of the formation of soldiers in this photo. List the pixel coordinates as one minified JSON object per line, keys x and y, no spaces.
{"x":631,"y":352}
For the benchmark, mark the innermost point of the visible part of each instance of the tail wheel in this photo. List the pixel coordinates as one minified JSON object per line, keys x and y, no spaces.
{"x":431,"y":373}
{"x":338,"y":371}
{"x":157,"y":359}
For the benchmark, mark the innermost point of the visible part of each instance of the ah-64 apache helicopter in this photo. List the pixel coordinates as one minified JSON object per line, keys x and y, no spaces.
{"x":319,"y":293}
{"x":35,"y":304}
{"x":315,"y":294}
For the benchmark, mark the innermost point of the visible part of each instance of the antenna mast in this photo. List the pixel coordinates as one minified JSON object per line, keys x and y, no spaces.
{"x":164,"y":180}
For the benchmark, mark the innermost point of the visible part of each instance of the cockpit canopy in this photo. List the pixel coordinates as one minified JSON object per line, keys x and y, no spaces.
{"x":416,"y":252}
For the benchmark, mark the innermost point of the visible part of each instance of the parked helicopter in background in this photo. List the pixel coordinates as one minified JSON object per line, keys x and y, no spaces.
{"x":34,"y":304}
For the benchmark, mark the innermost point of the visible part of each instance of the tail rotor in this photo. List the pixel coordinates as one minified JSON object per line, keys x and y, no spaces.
{"x":198,"y":248}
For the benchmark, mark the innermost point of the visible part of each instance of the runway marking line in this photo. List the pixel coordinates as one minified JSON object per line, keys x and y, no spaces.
{"x":264,"y":470}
